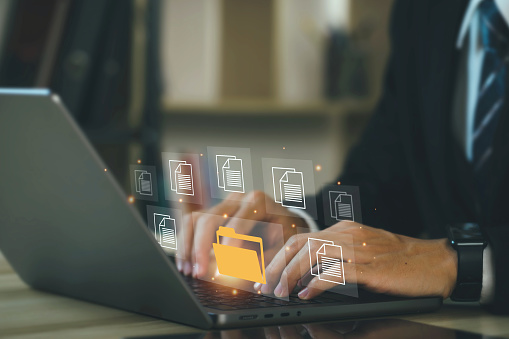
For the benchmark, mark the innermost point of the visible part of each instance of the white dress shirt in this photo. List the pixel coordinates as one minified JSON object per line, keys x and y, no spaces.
{"x":465,"y":100}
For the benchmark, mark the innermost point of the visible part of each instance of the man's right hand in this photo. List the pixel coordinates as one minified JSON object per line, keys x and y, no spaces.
{"x":247,"y":210}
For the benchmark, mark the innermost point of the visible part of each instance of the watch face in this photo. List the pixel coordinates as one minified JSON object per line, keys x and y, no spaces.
{"x":468,"y":232}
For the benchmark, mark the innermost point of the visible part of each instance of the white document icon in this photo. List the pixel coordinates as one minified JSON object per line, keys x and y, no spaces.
{"x":341,"y":206}
{"x":181,"y":177}
{"x":288,"y":187}
{"x":230,"y":173}
{"x":165,"y":230}
{"x":329,"y":261}
{"x":143,"y":182}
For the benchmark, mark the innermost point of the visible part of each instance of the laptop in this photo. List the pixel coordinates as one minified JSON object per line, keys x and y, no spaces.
{"x":66,"y":227}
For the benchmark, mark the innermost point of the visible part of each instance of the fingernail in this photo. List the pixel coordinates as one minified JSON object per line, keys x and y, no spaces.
{"x":279,"y":290}
{"x":304,"y":293}
{"x":187,"y":268}
{"x":195,"y":271}
{"x":257,"y":286}
{"x":179,"y":265}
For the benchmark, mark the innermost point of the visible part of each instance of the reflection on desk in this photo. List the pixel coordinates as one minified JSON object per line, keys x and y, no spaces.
{"x":28,"y":313}
{"x":363,"y":329}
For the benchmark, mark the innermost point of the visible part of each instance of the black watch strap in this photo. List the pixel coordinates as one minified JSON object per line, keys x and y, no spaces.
{"x":470,"y":269}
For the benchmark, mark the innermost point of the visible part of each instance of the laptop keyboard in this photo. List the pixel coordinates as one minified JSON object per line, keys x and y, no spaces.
{"x":222,"y":298}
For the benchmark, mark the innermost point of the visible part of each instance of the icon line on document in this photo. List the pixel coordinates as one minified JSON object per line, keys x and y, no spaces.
{"x":288,"y":187}
{"x":181,"y":177}
{"x":165,"y":230}
{"x":329,"y":261}
{"x":230,"y":173}
{"x":143,"y":182}
{"x":341,"y":206}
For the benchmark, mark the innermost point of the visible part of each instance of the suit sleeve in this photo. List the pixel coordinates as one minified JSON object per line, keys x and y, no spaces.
{"x":498,"y":238}
{"x":377,"y":163}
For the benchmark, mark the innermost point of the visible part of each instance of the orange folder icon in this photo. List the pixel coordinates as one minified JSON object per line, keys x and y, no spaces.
{"x":239,"y":262}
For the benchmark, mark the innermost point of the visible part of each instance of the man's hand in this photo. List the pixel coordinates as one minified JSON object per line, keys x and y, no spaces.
{"x":247,"y":210}
{"x":384,"y":263}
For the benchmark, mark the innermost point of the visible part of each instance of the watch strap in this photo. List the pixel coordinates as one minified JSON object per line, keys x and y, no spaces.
{"x":470,"y":268}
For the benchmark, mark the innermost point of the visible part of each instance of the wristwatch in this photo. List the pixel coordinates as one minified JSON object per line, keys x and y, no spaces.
{"x":468,"y":241}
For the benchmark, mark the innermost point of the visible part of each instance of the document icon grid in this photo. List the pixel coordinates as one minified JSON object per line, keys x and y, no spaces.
{"x":167,"y":232}
{"x":239,"y":262}
{"x":341,"y":206}
{"x":143,"y":182}
{"x":329,"y":261}
{"x":181,"y":177}
{"x":230,"y":173}
{"x":288,"y":187}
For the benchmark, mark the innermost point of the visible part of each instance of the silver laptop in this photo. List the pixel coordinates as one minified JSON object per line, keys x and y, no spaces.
{"x":66,"y":227}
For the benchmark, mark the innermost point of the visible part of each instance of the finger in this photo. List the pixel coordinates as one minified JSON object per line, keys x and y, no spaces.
{"x":269,"y":255}
{"x":277,"y":265}
{"x":350,"y":253}
{"x":250,"y":213}
{"x":306,"y":279}
{"x":293,"y":272}
{"x":306,"y":259}
{"x":205,"y":232}
{"x":185,"y":237}
{"x":298,"y":266}
{"x":351,"y":273}
{"x":234,"y":196}
{"x":285,"y":257}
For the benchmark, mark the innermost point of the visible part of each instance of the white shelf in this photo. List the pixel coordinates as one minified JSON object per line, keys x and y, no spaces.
{"x":267,"y":107}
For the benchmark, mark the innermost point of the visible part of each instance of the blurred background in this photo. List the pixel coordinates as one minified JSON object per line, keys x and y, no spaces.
{"x":146,"y":76}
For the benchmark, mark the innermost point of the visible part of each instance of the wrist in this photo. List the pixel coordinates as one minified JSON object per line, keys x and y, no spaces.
{"x":303,"y":219}
{"x":450,"y":267}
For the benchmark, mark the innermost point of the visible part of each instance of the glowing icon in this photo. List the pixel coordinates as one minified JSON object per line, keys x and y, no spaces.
{"x":288,"y":187}
{"x":165,"y":230}
{"x":181,"y":177}
{"x":230,"y":174}
{"x":329,"y":261}
{"x":240,"y":262}
{"x":341,"y":206}
{"x":143,"y":182}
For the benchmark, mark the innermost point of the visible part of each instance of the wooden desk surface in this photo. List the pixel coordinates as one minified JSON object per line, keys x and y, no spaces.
{"x":32,"y":314}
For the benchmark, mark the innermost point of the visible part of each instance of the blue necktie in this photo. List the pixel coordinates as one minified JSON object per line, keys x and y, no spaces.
{"x":490,"y":101}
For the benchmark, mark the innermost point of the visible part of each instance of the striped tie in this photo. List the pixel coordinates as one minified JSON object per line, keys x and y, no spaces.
{"x":490,"y":101}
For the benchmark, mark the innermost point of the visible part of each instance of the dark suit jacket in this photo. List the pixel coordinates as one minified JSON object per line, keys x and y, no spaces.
{"x":407,"y":164}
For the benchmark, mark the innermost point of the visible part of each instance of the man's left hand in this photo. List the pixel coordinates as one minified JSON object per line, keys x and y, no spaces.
{"x":384,"y":262}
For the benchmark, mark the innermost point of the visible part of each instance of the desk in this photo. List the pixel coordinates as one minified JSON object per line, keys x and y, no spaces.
{"x":33,"y":314}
